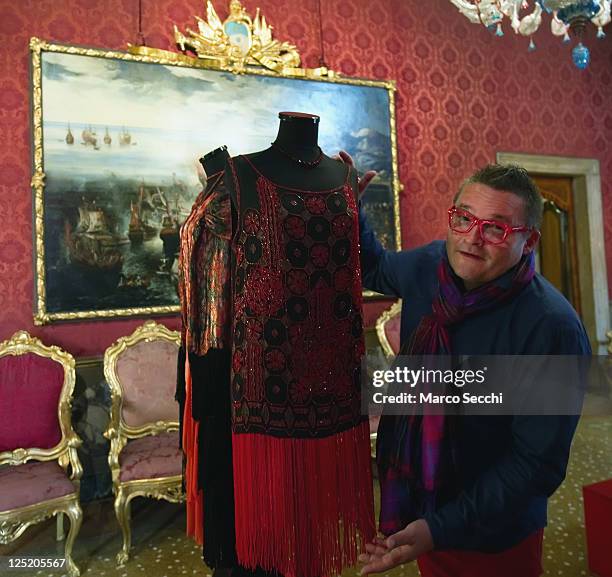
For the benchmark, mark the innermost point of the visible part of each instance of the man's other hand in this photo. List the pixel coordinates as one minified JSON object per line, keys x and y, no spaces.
{"x":401,"y":547}
{"x":363,"y":181}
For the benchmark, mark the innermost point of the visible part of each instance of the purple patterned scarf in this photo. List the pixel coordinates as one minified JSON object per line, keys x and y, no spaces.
{"x":414,"y":453}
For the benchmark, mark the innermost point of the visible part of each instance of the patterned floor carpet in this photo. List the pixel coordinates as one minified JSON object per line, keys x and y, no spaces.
{"x":160,"y":548}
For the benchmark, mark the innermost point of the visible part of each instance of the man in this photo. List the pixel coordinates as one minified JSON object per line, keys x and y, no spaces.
{"x":470,"y":499}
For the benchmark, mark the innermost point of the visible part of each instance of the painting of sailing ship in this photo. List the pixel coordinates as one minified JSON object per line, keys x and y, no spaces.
{"x":120,"y":175}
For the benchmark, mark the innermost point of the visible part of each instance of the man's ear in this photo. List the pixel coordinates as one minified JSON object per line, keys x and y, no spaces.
{"x":532,"y":241}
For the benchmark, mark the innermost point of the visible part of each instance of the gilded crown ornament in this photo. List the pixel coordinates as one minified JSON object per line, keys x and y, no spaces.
{"x":241,"y":41}
{"x":236,"y":44}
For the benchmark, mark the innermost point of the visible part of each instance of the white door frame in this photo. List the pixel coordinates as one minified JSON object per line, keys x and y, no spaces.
{"x":586,"y":186}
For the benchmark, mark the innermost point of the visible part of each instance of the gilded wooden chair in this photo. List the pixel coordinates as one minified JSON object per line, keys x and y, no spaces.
{"x":388,"y":331}
{"x":39,"y":467}
{"x":145,"y":458}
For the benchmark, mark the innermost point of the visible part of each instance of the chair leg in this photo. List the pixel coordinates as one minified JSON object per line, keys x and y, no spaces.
{"x":59,"y":522}
{"x":122,"y":511}
{"x":75,"y":514}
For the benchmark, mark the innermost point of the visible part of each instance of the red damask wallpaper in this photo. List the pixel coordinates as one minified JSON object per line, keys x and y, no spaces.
{"x":463,"y":95}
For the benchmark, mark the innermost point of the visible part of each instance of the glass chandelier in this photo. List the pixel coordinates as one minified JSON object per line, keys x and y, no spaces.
{"x":526,"y":16}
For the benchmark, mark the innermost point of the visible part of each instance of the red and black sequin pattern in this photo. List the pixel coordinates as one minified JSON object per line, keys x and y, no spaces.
{"x":298,"y":336}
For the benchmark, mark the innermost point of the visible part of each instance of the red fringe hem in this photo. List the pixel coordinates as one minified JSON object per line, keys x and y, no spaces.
{"x":195,"y":498}
{"x":304,"y":507}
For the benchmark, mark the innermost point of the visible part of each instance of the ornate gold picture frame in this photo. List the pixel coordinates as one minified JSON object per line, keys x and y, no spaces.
{"x":117,"y":134}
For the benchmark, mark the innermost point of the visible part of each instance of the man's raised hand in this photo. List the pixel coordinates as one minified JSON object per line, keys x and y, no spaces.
{"x":363,"y":181}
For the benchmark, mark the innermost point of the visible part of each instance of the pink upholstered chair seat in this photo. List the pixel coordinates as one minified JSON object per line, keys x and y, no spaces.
{"x":392,"y":332}
{"x":32,"y":482}
{"x":151,"y":457}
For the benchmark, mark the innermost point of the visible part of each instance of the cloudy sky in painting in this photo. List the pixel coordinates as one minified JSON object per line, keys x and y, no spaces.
{"x":240,"y":111}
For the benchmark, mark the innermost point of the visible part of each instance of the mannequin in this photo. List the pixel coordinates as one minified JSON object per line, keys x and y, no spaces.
{"x":286,"y":478}
{"x":213,"y":163}
{"x":297,"y":136}
{"x":203,"y":374}
{"x":301,"y":464}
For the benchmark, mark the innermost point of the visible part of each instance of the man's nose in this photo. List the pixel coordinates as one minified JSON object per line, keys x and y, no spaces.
{"x":474,"y":236}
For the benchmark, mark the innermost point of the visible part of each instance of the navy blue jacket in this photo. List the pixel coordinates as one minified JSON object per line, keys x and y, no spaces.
{"x":510,"y":465}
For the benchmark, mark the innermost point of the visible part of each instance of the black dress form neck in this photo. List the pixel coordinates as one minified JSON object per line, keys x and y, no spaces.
{"x":214,"y":161}
{"x":298,"y":137}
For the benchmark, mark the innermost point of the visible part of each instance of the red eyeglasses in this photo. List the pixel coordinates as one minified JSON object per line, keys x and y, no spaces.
{"x":491,"y":231}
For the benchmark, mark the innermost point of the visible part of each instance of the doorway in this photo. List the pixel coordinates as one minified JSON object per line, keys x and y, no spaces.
{"x":590,"y":253}
{"x":557,"y":256}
